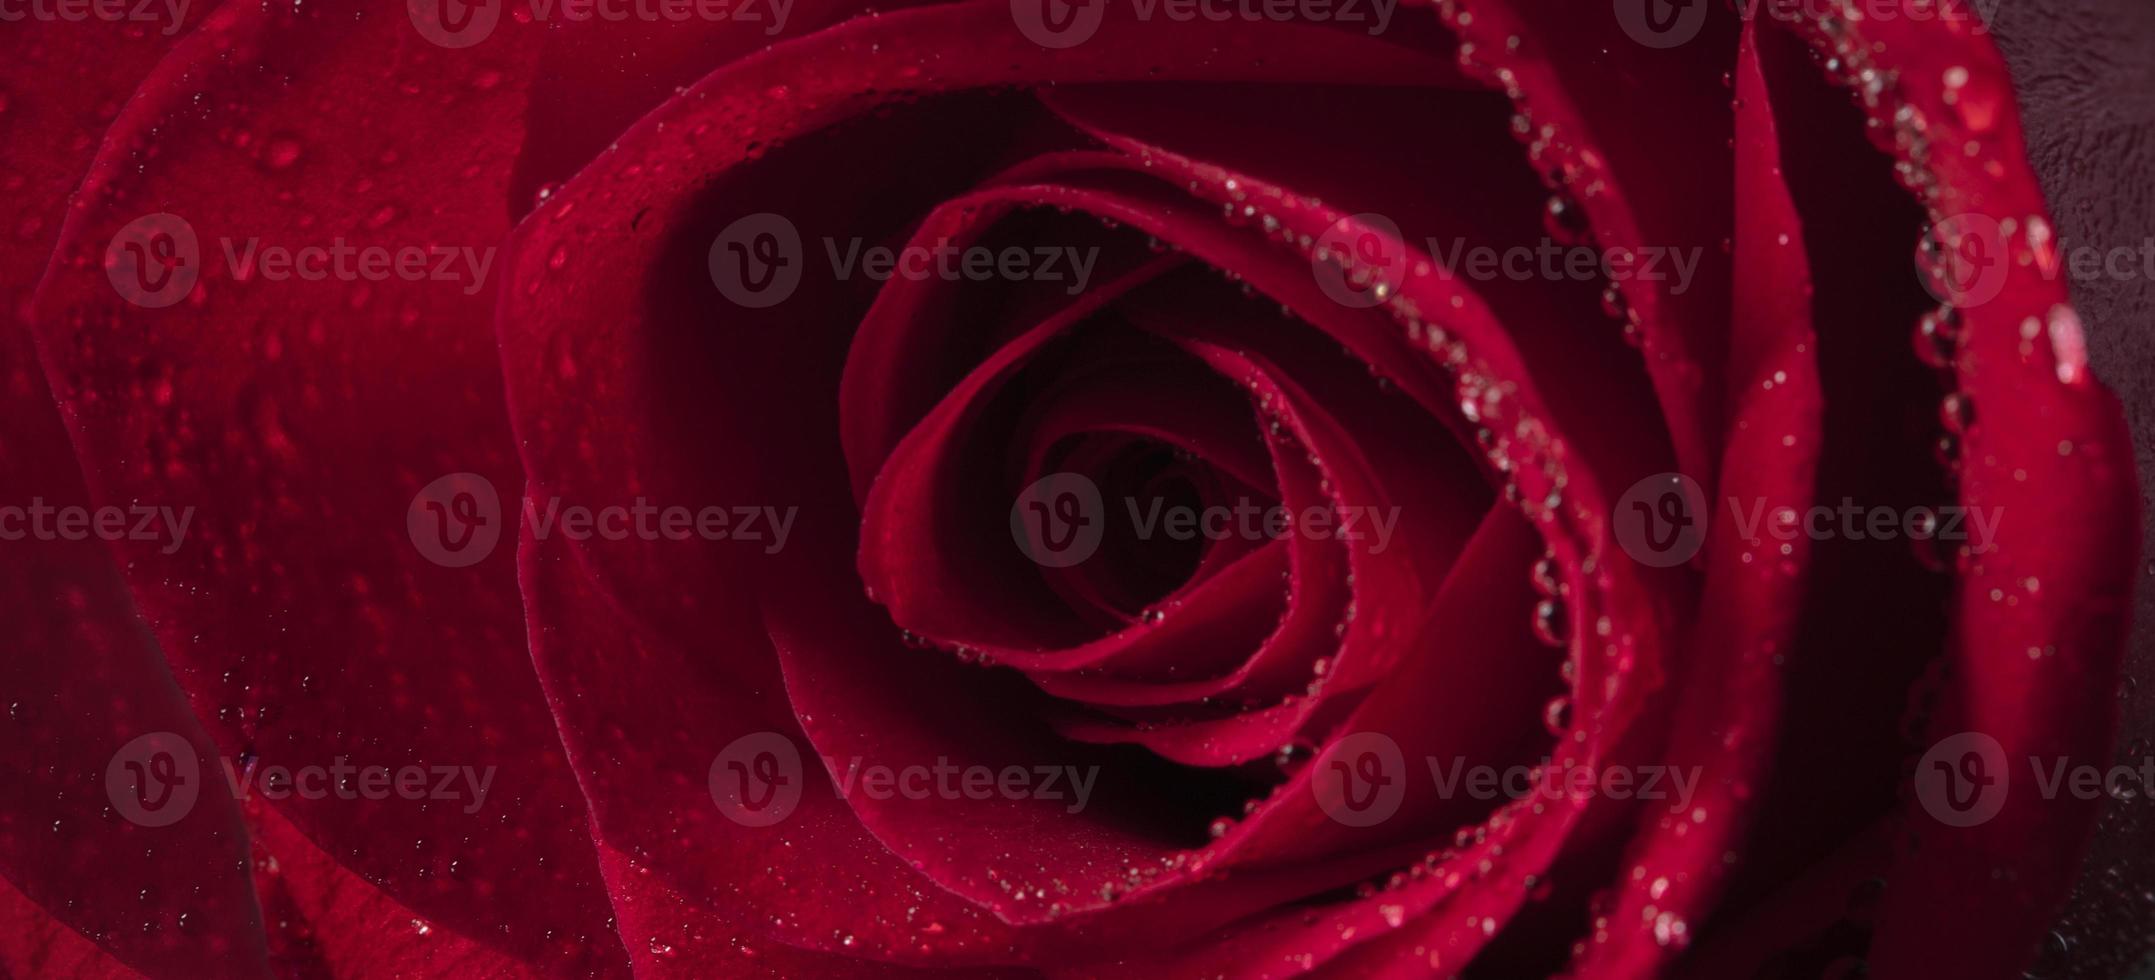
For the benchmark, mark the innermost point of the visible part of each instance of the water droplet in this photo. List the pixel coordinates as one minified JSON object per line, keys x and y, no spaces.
{"x":2052,"y":959}
{"x":1556,"y":715}
{"x":1930,"y":551}
{"x":1549,"y":624}
{"x":1974,"y":98}
{"x":281,"y":153}
{"x":1670,"y":930}
{"x":1956,"y":412}
{"x":1548,"y":578}
{"x":1565,"y":220}
{"x":1937,"y":339}
{"x":1947,"y":451}
{"x":2068,"y":344}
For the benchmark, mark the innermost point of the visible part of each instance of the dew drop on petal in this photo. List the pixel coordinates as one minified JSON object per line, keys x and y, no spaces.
{"x":281,"y":153}
{"x":1556,"y":715}
{"x":1937,"y":338}
{"x":1956,"y":412}
{"x":1549,"y":623}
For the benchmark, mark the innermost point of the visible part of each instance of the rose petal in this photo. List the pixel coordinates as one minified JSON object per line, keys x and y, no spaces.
{"x":1723,"y":731}
{"x":300,"y":418}
{"x":1635,"y":134}
{"x":647,"y":754}
{"x":84,"y":679}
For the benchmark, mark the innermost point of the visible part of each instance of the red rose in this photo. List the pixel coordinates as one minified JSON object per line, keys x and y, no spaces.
{"x":759,"y":488}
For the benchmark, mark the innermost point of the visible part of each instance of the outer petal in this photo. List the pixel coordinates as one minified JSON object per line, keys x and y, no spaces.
{"x":300,"y":418}
{"x":1633,"y":134}
{"x":83,"y":680}
{"x":2041,"y":615}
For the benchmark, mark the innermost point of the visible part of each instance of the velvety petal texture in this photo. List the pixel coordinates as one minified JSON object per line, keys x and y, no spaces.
{"x":1022,"y":489}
